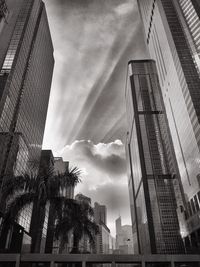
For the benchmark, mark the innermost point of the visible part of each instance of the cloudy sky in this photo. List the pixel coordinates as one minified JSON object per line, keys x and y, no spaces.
{"x":86,"y":124}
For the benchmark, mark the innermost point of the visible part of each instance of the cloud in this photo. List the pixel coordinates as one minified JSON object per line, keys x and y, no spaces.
{"x":124,"y":8}
{"x":93,"y":43}
{"x":104,"y":176}
{"x":107,"y":158}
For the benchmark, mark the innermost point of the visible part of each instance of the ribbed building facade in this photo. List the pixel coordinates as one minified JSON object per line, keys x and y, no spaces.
{"x":26,"y":67}
{"x":190,"y":10}
{"x":170,"y":28}
{"x":152,"y":164}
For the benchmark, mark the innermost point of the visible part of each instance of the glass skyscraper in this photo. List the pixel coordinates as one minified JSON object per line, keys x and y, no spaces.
{"x":169,"y":28}
{"x":26,"y":67}
{"x":152,"y":168}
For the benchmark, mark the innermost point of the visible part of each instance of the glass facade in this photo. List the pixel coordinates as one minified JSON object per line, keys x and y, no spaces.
{"x":152,"y":163}
{"x":166,"y":33}
{"x":26,"y":67}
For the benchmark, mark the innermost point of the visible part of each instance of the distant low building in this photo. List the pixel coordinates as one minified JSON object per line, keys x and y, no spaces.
{"x":124,"y":238}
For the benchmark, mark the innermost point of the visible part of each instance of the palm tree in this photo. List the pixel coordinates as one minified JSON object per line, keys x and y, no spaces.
{"x":57,"y":204}
{"x":39,"y":190}
{"x":77,"y":217}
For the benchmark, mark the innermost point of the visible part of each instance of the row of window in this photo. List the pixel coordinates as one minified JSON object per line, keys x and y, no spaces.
{"x":193,"y":206}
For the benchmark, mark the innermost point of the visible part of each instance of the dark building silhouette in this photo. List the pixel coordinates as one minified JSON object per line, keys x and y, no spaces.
{"x":152,"y":165}
{"x":47,"y":244}
{"x":172,"y":29}
{"x":47,"y":234}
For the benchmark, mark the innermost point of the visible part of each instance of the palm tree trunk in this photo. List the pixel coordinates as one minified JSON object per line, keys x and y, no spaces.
{"x":37,"y":223}
{"x":50,"y":229}
{"x":4,"y":235}
{"x":75,"y":248}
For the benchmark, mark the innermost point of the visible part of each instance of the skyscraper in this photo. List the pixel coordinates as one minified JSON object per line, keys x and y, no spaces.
{"x":124,"y":237}
{"x":152,"y":165}
{"x":168,"y":34}
{"x":100,"y":213}
{"x":26,"y":67}
{"x":102,"y":242}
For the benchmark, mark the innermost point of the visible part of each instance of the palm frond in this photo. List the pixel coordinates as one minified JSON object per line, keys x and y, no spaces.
{"x":17,"y":204}
{"x":12,"y":185}
{"x":91,"y":229}
{"x":58,"y":203}
{"x":53,"y":186}
{"x":78,"y":217}
{"x":63,"y":226}
{"x":71,"y":177}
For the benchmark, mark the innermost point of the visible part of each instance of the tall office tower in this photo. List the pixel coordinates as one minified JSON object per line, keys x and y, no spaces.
{"x":102,"y":242}
{"x":169,"y":45}
{"x":100,"y":213}
{"x":152,"y":165}
{"x":26,"y":67}
{"x":124,"y":237}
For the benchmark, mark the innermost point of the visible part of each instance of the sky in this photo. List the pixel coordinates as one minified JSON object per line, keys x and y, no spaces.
{"x":86,"y":122}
